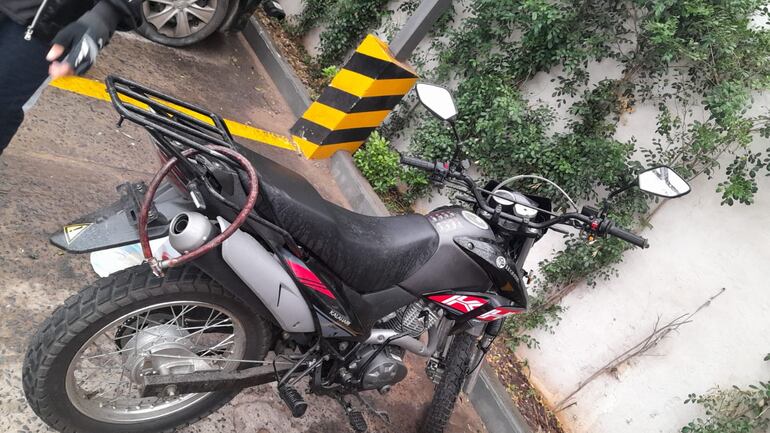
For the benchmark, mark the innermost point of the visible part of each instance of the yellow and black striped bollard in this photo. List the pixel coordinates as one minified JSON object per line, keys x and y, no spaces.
{"x":356,"y":102}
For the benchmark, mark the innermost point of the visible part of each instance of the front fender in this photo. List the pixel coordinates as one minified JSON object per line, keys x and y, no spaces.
{"x":115,"y":225}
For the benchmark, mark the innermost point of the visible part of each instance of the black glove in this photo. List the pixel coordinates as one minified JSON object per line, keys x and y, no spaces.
{"x":83,"y":39}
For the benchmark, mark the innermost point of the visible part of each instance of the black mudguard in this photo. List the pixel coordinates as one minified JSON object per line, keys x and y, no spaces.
{"x":115,"y":225}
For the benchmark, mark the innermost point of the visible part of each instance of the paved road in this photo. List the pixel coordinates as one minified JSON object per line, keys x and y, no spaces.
{"x":67,"y":160}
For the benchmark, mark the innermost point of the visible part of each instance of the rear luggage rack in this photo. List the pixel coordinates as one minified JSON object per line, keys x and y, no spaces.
{"x":168,"y":118}
{"x":176,"y":125}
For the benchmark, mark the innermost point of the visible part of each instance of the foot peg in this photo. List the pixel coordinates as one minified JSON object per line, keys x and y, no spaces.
{"x":357,"y":421}
{"x":293,"y":400}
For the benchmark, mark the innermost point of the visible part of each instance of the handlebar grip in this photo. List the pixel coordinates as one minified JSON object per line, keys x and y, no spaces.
{"x":418,"y":163}
{"x":628,"y":237}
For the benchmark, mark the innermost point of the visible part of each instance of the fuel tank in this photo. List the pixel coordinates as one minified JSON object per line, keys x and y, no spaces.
{"x":451,"y":268}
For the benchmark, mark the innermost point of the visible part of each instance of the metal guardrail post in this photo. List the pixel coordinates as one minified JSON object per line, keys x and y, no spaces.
{"x":417,"y":26}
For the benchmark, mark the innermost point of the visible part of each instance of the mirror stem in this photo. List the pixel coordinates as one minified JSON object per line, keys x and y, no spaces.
{"x":606,"y":202}
{"x":455,"y":161}
{"x":454,"y":130}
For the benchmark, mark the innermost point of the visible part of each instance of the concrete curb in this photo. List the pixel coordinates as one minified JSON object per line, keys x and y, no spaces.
{"x":488,"y":396}
{"x":354,"y":186}
{"x":280,"y":71}
{"x":494,"y":406}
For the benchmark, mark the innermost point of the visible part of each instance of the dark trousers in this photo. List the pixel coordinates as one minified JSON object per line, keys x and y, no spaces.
{"x":23,"y":69}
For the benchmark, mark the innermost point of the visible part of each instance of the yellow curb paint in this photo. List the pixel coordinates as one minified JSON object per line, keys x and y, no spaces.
{"x":97,"y":90}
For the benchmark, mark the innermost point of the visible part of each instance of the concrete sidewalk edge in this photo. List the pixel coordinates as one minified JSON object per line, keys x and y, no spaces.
{"x":282,"y":74}
{"x":494,"y":406}
{"x":488,"y":395}
{"x":354,"y":186}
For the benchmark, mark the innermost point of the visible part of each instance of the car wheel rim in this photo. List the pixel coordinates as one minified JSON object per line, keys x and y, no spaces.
{"x":179,"y":18}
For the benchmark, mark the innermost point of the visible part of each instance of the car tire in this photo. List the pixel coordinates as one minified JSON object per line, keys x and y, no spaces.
{"x":165,"y":35}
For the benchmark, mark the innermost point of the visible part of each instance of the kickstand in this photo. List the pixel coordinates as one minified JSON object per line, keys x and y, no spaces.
{"x":383,"y":415}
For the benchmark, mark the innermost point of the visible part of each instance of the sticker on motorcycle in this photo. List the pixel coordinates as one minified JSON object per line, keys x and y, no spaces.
{"x":72,"y":231}
{"x":308,"y":278}
{"x":499,"y":313}
{"x":462,"y":303}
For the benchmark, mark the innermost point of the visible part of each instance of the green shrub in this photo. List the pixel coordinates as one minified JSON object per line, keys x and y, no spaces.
{"x":379,"y":163}
{"x":734,"y":410}
{"x":381,"y":166}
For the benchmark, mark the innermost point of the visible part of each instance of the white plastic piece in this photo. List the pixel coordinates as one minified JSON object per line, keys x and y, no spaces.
{"x":107,"y":262}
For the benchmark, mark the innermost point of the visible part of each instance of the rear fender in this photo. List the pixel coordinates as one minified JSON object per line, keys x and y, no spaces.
{"x":115,"y":225}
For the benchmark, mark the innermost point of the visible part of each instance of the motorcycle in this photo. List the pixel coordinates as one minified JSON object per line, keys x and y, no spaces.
{"x":274,"y":284}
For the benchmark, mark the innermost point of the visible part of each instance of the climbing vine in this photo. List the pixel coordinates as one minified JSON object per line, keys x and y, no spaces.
{"x":345,"y":22}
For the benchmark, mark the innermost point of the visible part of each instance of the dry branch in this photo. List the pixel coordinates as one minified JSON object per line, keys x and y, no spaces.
{"x":656,"y":336}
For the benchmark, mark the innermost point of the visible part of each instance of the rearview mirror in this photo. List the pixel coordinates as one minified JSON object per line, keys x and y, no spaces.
{"x":438,"y":100}
{"x":664,"y":182}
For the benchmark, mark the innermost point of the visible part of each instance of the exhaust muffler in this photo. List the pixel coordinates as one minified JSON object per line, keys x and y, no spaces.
{"x":189,"y":230}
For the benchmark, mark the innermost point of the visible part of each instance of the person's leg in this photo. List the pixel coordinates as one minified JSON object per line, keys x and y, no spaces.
{"x":23,"y":69}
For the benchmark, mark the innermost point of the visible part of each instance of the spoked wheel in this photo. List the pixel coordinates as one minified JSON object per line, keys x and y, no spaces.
{"x":85,"y":366}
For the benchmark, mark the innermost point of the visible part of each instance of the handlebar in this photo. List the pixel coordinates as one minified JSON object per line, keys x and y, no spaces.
{"x":607,"y":227}
{"x":628,"y":237}
{"x":419,"y":163}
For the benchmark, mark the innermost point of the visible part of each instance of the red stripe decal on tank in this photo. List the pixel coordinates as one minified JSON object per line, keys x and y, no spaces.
{"x":461,"y":303}
{"x":499,"y":313}
{"x":308,"y":278}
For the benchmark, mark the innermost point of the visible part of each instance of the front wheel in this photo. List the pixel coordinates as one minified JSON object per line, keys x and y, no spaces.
{"x":83,"y":368}
{"x":447,"y":390}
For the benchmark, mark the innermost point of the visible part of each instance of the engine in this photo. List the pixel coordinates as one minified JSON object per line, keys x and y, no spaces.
{"x":379,"y":367}
{"x":384,"y":369}
{"x":413,"y":319}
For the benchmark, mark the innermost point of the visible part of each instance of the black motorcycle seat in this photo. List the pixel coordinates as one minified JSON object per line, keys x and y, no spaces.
{"x":368,"y":253}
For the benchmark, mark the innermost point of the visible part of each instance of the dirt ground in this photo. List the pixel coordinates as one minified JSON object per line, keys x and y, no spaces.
{"x":66,"y":161}
{"x":513,"y":373}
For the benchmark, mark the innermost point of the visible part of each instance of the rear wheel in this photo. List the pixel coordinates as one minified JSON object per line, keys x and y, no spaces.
{"x":445,"y":395}
{"x":84,"y":367}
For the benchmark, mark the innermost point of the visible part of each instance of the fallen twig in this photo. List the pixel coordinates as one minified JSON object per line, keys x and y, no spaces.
{"x":658,"y":333}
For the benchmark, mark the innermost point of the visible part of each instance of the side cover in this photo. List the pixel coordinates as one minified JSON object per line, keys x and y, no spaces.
{"x":265,"y":276}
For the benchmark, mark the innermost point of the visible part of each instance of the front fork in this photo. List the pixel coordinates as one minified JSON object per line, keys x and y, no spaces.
{"x":491,"y":331}
{"x":486,"y":334}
